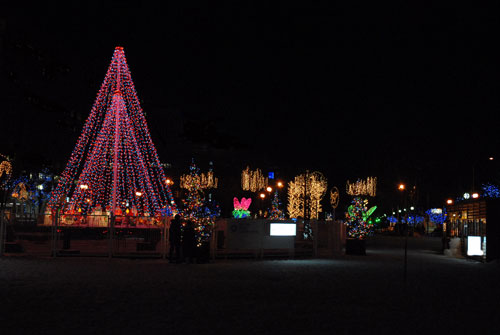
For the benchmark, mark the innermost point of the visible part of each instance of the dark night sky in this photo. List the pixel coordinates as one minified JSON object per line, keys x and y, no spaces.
{"x":396,"y":92}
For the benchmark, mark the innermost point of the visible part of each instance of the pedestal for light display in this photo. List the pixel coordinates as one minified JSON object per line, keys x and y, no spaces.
{"x":354,"y":246}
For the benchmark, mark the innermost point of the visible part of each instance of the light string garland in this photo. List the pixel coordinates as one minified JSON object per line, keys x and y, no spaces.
{"x":195,"y":208}
{"x":114,"y":164}
{"x":490,"y":190}
{"x":306,"y":190}
{"x":5,"y":170}
{"x":437,"y":215}
{"x":275,"y":212}
{"x":362,"y":187}
{"x":206,"y":181}
{"x":358,"y":225}
{"x":253,"y":181}
{"x":20,"y":192}
{"x":241,"y":208}
{"x":334,"y":197}
{"x":5,"y":167}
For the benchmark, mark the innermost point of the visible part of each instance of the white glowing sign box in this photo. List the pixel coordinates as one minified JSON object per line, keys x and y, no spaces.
{"x":474,"y":246}
{"x":283,"y":229}
{"x":436,"y":210}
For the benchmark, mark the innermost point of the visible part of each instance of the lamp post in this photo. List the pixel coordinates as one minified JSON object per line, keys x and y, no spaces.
{"x":262,"y":196}
{"x":401,"y":188}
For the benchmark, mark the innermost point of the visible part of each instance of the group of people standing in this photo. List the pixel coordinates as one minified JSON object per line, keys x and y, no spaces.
{"x":182,"y":240}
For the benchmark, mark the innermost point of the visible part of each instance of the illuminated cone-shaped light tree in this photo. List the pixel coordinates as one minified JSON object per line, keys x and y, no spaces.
{"x":114,"y":165}
{"x":276,"y":213}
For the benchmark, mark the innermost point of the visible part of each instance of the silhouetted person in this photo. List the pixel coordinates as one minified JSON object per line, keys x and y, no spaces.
{"x":189,"y":242}
{"x":174,"y":237}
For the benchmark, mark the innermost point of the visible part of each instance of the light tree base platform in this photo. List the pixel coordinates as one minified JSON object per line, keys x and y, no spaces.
{"x":354,"y":246}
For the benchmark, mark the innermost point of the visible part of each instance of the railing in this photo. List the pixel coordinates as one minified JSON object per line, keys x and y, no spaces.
{"x":87,"y":235}
{"x":244,"y":238}
{"x":462,"y":229}
{"x":99,"y":235}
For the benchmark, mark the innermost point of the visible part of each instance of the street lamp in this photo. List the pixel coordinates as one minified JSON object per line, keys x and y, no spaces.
{"x":262,"y":196}
{"x":402,"y":187}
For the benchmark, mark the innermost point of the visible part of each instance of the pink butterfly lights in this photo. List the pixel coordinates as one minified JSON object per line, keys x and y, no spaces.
{"x":241,"y":208}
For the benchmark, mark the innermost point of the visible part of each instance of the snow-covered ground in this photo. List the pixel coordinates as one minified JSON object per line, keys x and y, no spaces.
{"x":346,"y":295}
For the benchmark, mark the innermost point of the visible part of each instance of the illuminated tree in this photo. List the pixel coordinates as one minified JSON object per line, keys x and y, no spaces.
{"x":5,"y":168}
{"x":5,"y":175}
{"x":490,"y":190}
{"x":114,"y":164}
{"x":357,"y":218}
{"x":305,"y":194}
{"x":195,"y":207}
{"x":437,"y":215}
{"x":276,"y":213}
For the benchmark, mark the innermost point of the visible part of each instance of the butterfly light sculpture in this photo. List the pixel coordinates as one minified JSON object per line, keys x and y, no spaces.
{"x":241,"y":208}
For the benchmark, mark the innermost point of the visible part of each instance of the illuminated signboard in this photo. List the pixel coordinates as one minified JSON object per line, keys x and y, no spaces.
{"x":436,"y":210}
{"x":283,"y":229}
{"x":474,"y":246}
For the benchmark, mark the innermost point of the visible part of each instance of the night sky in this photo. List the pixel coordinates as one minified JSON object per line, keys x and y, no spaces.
{"x":401,"y":93}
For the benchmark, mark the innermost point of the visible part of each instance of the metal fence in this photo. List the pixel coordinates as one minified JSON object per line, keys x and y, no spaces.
{"x":463,"y":229}
{"x":243,"y":238}
{"x":92,"y":235}
{"x":124,"y":236}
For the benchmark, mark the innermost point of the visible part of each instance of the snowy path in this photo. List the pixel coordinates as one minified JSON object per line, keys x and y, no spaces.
{"x":348,"y":295}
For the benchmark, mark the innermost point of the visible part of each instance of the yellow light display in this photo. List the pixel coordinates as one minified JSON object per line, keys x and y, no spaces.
{"x":20,"y":192}
{"x":362,"y":187}
{"x":334,"y":197}
{"x":310,"y":187}
{"x":5,"y":167}
{"x":205,"y":181}
{"x":253,"y":181}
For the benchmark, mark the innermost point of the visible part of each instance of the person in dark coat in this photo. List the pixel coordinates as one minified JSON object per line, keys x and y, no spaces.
{"x":189,"y":242}
{"x":174,"y":238}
